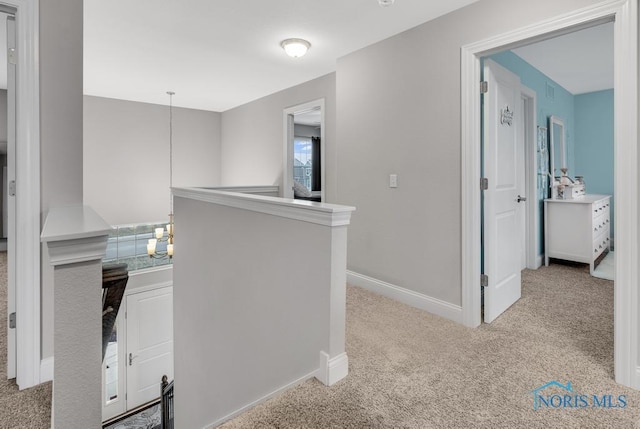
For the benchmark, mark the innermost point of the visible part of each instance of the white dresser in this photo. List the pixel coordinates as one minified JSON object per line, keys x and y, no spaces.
{"x":577,"y":229}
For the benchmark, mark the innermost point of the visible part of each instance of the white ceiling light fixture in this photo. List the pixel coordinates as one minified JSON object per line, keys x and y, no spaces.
{"x":295,"y":48}
{"x":385,"y":3}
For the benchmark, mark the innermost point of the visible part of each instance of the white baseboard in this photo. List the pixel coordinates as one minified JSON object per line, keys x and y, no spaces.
{"x":261,"y":400}
{"x":539,"y":260}
{"x":332,"y":370}
{"x":46,"y":369}
{"x":406,"y":296}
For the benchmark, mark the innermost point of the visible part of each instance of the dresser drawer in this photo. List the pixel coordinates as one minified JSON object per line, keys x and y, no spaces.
{"x":578,"y":229}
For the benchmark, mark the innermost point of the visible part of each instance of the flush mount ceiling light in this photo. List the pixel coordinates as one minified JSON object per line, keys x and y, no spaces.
{"x":295,"y":47}
{"x":385,"y":3}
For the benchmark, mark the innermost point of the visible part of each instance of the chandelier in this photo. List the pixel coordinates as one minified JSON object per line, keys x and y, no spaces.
{"x":152,"y":244}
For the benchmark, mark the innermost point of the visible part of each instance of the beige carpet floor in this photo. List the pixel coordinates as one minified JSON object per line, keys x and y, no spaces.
{"x":29,"y":408}
{"x":410,"y":369}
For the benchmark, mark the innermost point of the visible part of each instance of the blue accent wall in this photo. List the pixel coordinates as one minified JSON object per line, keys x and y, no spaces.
{"x":594,"y":138}
{"x":561,"y":103}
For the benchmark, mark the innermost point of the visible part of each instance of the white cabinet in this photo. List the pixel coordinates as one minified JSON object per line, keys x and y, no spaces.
{"x":577,"y":229}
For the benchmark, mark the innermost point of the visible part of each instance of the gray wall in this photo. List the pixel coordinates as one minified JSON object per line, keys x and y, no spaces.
{"x":126,"y":156}
{"x":60,"y":127}
{"x":253,"y":136}
{"x":305,"y":131}
{"x":398,"y":104}
{"x":245,"y":324}
{"x":3,"y":157}
{"x":3,"y":115}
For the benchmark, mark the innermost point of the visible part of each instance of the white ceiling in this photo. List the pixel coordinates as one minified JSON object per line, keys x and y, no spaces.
{"x":220,"y":54}
{"x":580,"y":62}
{"x":312,"y":118}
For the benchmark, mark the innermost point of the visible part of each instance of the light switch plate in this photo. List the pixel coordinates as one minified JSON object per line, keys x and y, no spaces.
{"x":393,"y":180}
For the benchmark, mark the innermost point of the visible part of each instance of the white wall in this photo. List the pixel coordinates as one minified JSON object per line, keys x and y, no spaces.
{"x":253,"y":136}
{"x":126,"y":156}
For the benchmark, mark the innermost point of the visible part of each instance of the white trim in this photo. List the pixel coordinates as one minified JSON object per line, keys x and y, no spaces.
{"x":65,"y":252}
{"x":406,"y":296}
{"x":27,"y":257}
{"x":149,"y":279}
{"x":261,"y":400}
{"x":539,"y":259}
{"x":46,"y":369}
{"x":626,"y":192}
{"x":333,"y":369}
{"x":625,"y":14}
{"x":306,"y":211}
{"x":258,"y":190}
{"x":531,"y":175}
{"x":287,"y":174}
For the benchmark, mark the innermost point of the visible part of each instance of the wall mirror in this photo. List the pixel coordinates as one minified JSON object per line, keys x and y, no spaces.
{"x":557,"y":148}
{"x":304,"y":176}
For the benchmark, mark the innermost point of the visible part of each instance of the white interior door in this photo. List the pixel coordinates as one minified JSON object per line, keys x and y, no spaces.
{"x":11,"y":199}
{"x":149,"y":344}
{"x":502,"y":228}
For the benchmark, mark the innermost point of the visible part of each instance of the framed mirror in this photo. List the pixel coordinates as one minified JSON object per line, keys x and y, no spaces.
{"x":557,"y":149}
{"x":304,"y":148}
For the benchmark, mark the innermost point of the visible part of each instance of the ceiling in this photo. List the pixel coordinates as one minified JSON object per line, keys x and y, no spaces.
{"x":152,"y":49}
{"x":219,"y":54}
{"x":580,"y":62}
{"x":312,"y":118}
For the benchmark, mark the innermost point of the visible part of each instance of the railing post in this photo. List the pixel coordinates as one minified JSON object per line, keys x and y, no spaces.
{"x":76,"y":239}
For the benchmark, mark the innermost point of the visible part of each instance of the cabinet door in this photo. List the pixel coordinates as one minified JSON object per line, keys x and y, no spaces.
{"x":149,"y":344}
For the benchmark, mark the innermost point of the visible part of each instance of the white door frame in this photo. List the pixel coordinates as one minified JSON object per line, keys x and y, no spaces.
{"x":10,"y":208}
{"x":27,"y":234}
{"x":625,"y":14}
{"x":287,"y":174}
{"x":531,"y":177}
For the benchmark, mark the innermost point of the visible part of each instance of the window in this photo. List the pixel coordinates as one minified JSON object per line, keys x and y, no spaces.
{"x":303,"y":160}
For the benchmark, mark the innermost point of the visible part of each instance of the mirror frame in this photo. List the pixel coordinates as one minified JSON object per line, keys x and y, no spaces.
{"x":555,"y":120}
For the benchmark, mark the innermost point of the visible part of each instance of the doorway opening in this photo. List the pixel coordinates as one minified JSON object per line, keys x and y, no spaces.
{"x":304,"y":149}
{"x":561,"y":121}
{"x":624,"y":14}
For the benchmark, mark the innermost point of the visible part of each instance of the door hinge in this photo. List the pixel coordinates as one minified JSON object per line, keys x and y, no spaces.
{"x":484,"y":183}
{"x":12,"y":320}
{"x":12,"y":188}
{"x":484,"y":87}
{"x":12,"y":56}
{"x":484,"y":280}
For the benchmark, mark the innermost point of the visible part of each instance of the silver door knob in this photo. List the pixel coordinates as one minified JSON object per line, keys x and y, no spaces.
{"x":520,"y":199}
